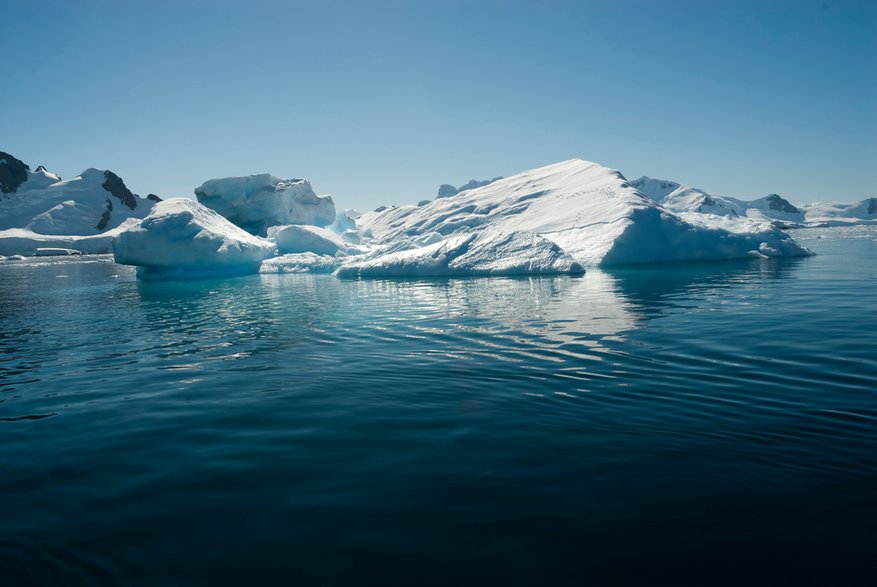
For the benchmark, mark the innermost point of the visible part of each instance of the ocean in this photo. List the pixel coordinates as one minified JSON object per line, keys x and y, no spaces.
{"x":682,"y":423}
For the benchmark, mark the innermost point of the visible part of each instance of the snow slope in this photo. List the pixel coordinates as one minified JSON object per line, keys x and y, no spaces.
{"x":257,"y":202}
{"x":838,"y":214}
{"x":591,"y":213}
{"x":183,"y":238}
{"x":773,"y":208}
{"x":38,"y":209}
{"x":681,"y":198}
{"x":656,"y":189}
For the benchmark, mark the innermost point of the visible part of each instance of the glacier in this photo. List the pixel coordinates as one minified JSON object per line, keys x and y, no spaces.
{"x":257,"y":202}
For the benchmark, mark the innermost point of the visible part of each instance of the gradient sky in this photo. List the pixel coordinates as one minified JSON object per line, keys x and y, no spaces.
{"x":380,"y":102}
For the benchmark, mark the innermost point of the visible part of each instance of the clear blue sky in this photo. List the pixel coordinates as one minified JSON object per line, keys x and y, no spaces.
{"x":380,"y":102}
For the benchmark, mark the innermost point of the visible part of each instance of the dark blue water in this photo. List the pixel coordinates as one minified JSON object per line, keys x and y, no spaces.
{"x":701,"y":424}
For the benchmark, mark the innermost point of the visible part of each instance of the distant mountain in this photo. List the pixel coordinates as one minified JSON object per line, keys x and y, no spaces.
{"x":772,"y":208}
{"x":839,"y":214}
{"x":38,"y":204}
{"x":446,"y":190}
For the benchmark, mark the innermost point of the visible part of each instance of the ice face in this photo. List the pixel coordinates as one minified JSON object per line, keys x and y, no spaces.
{"x":488,"y":252}
{"x":302,"y":238}
{"x":257,"y":202}
{"x":182,"y":238}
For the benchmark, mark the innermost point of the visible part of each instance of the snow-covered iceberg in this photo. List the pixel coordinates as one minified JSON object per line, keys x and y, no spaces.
{"x":256,"y":202}
{"x":182,"y":238}
{"x":590,"y":214}
{"x":40,"y":210}
{"x":486,"y":252}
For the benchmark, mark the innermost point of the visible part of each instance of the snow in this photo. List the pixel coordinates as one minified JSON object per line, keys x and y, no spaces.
{"x":557,"y":219}
{"x":257,"y":202}
{"x":182,"y":238}
{"x":446,"y":190}
{"x":840,"y":214}
{"x":301,"y":238}
{"x":74,"y":207}
{"x":656,"y":189}
{"x":773,"y":208}
{"x":590,"y":212}
{"x":25,"y":241}
{"x":83,"y":213}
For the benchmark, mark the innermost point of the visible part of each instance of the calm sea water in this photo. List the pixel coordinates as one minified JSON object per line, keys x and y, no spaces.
{"x":706,"y":424}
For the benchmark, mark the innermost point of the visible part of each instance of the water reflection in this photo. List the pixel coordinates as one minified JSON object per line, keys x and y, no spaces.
{"x":602,"y":303}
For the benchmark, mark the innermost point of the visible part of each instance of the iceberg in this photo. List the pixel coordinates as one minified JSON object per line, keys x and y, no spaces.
{"x":303,"y":238}
{"x":300,"y":263}
{"x":589,"y":213}
{"x":257,"y":202}
{"x":485,"y":253}
{"x":344,"y":221}
{"x":182,"y":238}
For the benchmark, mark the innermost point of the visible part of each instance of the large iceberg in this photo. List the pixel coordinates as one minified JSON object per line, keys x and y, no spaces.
{"x":182,"y":238}
{"x":257,"y":202}
{"x":40,"y":210}
{"x":589,"y":213}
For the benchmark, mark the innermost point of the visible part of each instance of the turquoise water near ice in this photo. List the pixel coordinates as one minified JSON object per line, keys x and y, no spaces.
{"x":701,"y":424}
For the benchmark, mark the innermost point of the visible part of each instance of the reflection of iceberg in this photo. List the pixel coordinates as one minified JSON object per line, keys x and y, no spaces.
{"x":563,"y":321}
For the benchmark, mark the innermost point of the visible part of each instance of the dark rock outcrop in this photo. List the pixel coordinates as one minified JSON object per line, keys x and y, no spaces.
{"x":117,"y":188}
{"x":781,"y":204}
{"x":13,"y":173}
{"x":105,"y":217}
{"x":153,"y":197}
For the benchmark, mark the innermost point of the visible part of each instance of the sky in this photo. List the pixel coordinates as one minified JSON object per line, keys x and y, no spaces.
{"x":380,"y":102}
